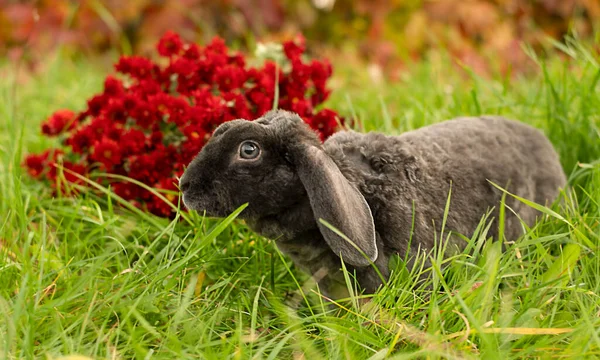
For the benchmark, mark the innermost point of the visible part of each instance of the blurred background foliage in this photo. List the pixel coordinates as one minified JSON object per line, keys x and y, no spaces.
{"x":485,"y":35}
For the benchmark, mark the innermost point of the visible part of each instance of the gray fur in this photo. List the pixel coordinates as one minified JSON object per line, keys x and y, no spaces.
{"x":356,"y":181}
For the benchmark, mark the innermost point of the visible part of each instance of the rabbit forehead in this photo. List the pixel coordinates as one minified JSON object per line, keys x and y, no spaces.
{"x":236,"y":132}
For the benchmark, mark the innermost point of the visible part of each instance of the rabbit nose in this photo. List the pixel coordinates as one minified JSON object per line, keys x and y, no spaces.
{"x":184,"y":184}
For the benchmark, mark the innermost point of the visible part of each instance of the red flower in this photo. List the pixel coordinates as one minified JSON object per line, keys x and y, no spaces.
{"x":171,"y":185}
{"x":182,"y":67}
{"x":209,"y":110}
{"x":92,"y":132}
{"x":194,"y":132}
{"x":160,"y":102}
{"x":107,"y":152}
{"x":133,"y":141}
{"x":81,"y":140}
{"x":53,"y":158}
{"x":96,"y":104}
{"x":153,"y":166}
{"x":326,"y":122}
{"x":160,"y":208}
{"x":168,"y":189}
{"x":130,"y":103}
{"x":191,"y":51}
{"x":113,"y":87}
{"x":178,"y":110}
{"x":216,"y":46}
{"x":145,"y":88}
{"x":300,"y":73}
{"x":295,"y":48}
{"x":302,"y":107}
{"x":261,"y":102}
{"x":36,"y":164}
{"x":163,"y":159}
{"x":189,"y":150}
{"x":136,"y":66}
{"x":156,"y":138}
{"x":230,"y":77}
{"x":58,"y":122}
{"x":115,"y":110}
{"x":173,"y":109}
{"x":151,"y":125}
{"x":237,"y":60}
{"x":237,"y":107}
{"x":127,"y":190}
{"x":187,"y":75}
{"x":170,"y":44}
{"x":70,"y":170}
{"x":139,"y":167}
{"x":145,"y":115}
{"x":265,"y":80}
{"x":320,"y":72}
{"x":196,"y":137}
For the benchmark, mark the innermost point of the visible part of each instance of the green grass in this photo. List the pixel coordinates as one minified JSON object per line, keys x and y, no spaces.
{"x":84,"y":276}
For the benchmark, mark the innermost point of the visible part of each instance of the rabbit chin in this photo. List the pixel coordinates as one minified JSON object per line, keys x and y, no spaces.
{"x":197,"y":204}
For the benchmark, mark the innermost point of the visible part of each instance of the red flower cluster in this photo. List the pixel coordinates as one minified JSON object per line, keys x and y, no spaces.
{"x":59,"y":121}
{"x":150,"y":123}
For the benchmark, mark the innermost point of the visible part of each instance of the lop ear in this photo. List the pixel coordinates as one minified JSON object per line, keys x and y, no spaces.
{"x":334,"y":199}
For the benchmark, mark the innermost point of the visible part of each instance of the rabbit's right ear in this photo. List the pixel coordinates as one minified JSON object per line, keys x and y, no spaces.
{"x":334,"y":199}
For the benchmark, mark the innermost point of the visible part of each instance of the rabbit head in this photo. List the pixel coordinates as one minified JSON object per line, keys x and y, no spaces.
{"x":274,"y":163}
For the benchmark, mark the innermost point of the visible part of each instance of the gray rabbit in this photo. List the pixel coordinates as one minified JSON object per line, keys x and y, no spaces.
{"x":373,"y":188}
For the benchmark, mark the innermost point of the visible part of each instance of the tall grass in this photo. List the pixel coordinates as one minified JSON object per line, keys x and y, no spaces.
{"x":85,"y":276}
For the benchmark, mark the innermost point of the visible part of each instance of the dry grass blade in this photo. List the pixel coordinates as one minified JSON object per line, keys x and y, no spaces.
{"x":513,"y":331}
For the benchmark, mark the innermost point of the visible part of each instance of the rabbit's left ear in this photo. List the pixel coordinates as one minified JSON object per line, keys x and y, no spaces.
{"x":334,"y":199}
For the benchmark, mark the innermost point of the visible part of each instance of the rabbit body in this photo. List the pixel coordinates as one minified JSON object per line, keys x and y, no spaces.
{"x":385,"y":192}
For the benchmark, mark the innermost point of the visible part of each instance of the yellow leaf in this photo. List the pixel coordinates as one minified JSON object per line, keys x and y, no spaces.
{"x":198,"y":289}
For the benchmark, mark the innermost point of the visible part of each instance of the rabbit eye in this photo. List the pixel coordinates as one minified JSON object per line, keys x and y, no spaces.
{"x":249,"y":150}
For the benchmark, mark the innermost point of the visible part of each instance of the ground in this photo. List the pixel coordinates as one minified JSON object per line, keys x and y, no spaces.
{"x":83,"y":276}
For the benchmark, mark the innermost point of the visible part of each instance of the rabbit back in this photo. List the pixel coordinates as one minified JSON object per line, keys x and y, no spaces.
{"x":407,"y":178}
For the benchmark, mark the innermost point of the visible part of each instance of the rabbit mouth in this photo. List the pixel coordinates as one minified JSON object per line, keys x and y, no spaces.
{"x":199,"y":204}
{"x":207,"y":205}
{"x":190,"y":203}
